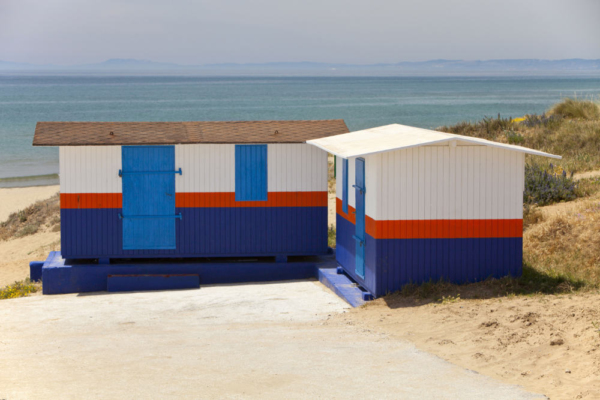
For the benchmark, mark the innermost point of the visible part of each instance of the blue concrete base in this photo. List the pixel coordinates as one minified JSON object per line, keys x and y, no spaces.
{"x":131,"y":283}
{"x":343,"y":287}
{"x":76,"y":276}
{"x":35,"y":271}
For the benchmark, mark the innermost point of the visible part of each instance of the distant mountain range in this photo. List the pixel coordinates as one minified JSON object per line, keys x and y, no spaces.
{"x":508,"y":66}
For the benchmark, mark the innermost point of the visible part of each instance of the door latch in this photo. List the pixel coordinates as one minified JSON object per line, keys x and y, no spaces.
{"x":359,"y":240}
{"x":362,"y":190}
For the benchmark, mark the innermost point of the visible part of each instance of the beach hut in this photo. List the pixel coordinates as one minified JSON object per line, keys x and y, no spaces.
{"x":415,"y":205}
{"x":191,"y":189}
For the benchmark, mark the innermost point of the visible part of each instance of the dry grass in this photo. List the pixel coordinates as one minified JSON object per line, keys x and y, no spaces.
{"x":567,"y":243}
{"x":577,"y":140}
{"x":531,"y":215}
{"x":576,"y":109}
{"x":331,"y":173}
{"x":331,"y":236}
{"x":43,"y":214}
{"x":532,"y":282}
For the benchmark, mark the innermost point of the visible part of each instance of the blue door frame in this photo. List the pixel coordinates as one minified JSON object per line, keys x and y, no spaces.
{"x":148,"y":216}
{"x":359,"y":235}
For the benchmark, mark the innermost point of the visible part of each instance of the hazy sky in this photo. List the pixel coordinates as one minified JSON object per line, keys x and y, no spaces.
{"x":345,"y":31}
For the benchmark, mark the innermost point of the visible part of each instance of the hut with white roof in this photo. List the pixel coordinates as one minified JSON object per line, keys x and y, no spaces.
{"x":415,"y":205}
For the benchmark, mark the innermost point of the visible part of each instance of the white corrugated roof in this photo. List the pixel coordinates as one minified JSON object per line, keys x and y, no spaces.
{"x":395,"y":137}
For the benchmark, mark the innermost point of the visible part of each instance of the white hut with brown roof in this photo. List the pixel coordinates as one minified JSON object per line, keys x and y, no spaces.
{"x":191,"y":189}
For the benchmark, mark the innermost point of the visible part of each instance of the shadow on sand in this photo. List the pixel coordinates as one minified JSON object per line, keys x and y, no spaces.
{"x":532,"y":282}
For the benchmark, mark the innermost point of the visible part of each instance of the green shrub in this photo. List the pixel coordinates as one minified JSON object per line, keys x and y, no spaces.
{"x":513,"y":137}
{"x":546,"y":121}
{"x":543,"y":187}
{"x":495,"y":125}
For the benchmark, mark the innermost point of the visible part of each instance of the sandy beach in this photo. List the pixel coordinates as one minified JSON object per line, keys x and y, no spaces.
{"x":546,"y":343}
{"x":15,"y":199}
{"x":17,"y":253}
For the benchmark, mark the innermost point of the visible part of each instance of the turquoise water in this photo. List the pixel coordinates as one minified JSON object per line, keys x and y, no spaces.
{"x":362,"y":102}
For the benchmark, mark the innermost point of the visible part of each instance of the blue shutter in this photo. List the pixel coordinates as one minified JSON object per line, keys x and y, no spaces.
{"x":345,"y":185}
{"x":250,"y":172}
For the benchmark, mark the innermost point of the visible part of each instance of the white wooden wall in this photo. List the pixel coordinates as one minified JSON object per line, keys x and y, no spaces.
{"x":441,"y":182}
{"x":296,"y":168}
{"x":90,"y":169}
{"x":206,"y":168}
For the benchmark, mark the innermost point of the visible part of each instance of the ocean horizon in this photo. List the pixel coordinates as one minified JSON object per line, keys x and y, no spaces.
{"x":363,"y":102}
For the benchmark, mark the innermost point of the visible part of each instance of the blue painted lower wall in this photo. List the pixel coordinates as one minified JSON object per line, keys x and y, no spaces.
{"x":203,"y":232}
{"x":393,"y":263}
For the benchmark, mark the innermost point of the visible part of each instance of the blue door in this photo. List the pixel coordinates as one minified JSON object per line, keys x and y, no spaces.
{"x":148,"y":197}
{"x":359,"y":235}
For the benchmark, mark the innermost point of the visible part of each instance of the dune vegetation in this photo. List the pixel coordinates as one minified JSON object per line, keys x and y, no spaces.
{"x":44,"y":214}
{"x":19,"y":289}
{"x":570,"y":128}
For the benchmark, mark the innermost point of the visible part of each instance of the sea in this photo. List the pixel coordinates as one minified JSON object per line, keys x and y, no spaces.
{"x":363,"y":102}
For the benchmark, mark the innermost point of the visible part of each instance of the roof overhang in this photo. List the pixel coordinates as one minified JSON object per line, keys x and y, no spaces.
{"x":163,"y":133}
{"x":396,"y":137}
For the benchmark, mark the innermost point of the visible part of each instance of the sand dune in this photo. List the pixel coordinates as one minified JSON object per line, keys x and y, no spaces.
{"x":15,"y":199}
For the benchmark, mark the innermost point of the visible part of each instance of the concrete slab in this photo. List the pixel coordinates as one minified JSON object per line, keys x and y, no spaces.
{"x":267,"y":341}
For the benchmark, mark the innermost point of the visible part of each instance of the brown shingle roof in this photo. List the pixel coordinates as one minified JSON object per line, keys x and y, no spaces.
{"x":134,"y":133}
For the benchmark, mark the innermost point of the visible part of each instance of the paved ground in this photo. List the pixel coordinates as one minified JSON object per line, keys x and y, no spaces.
{"x":269,"y":341}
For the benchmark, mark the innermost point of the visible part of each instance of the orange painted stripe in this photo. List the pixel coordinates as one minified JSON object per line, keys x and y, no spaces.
{"x":350,"y":216}
{"x":444,"y":229}
{"x":437,"y":228}
{"x":198,"y":200}
{"x":91,"y":200}
{"x":274,"y":199}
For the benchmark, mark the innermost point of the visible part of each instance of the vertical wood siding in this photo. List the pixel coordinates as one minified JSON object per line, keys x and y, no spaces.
{"x":90,"y":169}
{"x":437,"y":212}
{"x":292,"y":222}
{"x":297,"y":168}
{"x":464,"y":182}
{"x":206,"y":168}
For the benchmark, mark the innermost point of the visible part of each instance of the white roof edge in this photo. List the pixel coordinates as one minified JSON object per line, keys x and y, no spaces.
{"x":450,"y":137}
{"x":311,"y":142}
{"x":507,"y":146}
{"x":379,"y":151}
